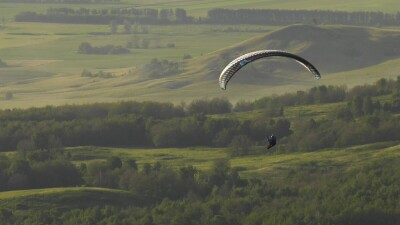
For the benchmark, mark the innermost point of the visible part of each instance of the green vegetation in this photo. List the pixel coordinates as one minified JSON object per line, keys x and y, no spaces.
{"x":101,"y":74}
{"x":55,"y":65}
{"x":163,"y":145}
{"x":361,"y":115}
{"x":342,"y":185}
{"x":319,"y":166}
{"x":86,"y":48}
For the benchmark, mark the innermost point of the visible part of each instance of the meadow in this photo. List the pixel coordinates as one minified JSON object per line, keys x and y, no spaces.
{"x":44,"y":63}
{"x":44,"y":67}
{"x":268,"y":163}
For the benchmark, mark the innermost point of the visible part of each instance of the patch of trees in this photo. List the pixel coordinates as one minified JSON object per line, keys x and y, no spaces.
{"x":39,"y":163}
{"x":362,"y":120}
{"x":106,"y":16}
{"x":161,"y":68}
{"x":287,"y":17}
{"x":100,"y":74}
{"x":215,"y":16}
{"x":129,"y":28}
{"x":87,"y":48}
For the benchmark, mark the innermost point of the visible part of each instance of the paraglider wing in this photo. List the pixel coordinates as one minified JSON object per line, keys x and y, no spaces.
{"x":238,"y":63}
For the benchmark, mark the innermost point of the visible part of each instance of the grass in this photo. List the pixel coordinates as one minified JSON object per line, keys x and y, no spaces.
{"x":56,"y":54}
{"x":55,"y":191}
{"x":44,"y":66}
{"x":269,"y":163}
{"x":23,"y":202}
{"x":199,"y":157}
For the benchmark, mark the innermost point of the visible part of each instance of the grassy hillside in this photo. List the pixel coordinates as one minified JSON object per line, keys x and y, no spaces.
{"x":331,"y":49}
{"x":63,"y":198}
{"x":44,"y":66}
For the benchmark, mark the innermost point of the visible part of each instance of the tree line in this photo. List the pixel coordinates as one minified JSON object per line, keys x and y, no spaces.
{"x":156,"y":124}
{"x":131,"y":130}
{"x":106,"y":16}
{"x":87,"y":48}
{"x":214,"y":16}
{"x":287,"y":17}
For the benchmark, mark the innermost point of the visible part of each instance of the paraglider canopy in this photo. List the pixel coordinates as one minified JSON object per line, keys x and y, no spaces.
{"x":234,"y":66}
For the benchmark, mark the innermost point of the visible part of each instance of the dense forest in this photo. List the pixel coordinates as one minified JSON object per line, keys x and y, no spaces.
{"x":214,"y":16}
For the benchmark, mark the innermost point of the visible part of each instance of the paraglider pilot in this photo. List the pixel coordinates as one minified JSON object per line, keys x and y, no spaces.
{"x":271,"y":141}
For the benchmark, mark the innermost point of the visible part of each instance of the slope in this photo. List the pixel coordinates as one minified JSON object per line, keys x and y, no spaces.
{"x":64,"y":198}
{"x":331,"y":48}
{"x":345,"y":55}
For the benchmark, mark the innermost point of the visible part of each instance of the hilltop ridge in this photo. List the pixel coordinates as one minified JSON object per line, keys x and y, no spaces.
{"x":330,"y":48}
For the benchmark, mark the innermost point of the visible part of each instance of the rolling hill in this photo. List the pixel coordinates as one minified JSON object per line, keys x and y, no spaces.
{"x":65,"y":197}
{"x":345,"y":55}
{"x":332,"y":49}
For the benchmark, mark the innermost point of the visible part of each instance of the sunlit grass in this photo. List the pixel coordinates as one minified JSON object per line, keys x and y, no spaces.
{"x":265,"y":163}
{"x":46,"y":191}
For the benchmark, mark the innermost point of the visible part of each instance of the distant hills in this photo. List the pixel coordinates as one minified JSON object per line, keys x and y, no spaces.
{"x":345,"y":55}
{"x":331,"y":49}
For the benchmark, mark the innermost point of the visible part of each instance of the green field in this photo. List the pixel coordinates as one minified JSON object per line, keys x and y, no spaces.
{"x":44,"y":64}
{"x":265,"y":163}
{"x":44,"y":67}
